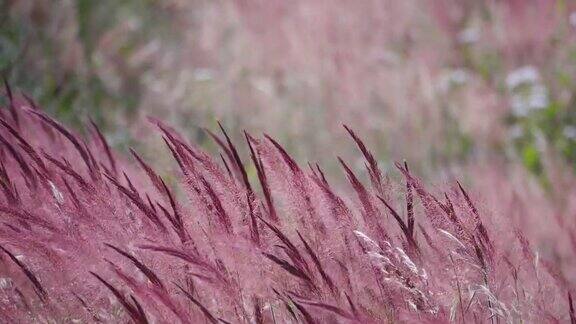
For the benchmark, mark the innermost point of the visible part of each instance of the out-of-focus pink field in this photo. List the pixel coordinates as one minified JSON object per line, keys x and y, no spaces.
{"x":449,"y":196}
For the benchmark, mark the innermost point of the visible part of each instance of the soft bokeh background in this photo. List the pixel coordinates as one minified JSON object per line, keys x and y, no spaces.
{"x":483,"y":91}
{"x":479,"y":89}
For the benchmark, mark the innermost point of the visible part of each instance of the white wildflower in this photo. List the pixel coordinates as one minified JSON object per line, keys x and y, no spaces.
{"x":533,"y":98}
{"x":524,"y":75}
{"x":452,"y":79}
{"x":469,"y":35}
{"x":528,"y":93}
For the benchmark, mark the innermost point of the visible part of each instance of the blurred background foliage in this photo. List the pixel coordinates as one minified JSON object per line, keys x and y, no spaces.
{"x":72,"y":57}
{"x":441,"y":83}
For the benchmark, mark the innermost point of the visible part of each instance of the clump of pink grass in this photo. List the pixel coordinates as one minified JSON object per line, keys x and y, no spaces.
{"x":86,"y":236}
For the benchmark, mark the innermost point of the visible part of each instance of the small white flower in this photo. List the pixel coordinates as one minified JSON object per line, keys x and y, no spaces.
{"x":524,"y":75}
{"x":469,"y":35}
{"x":534,"y":98}
{"x":527,"y":91}
{"x":453,"y":78}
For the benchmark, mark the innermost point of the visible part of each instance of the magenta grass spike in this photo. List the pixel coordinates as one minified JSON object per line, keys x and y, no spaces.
{"x":89,"y":234}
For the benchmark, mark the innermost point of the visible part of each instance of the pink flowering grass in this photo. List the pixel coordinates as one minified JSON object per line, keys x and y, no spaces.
{"x":88,"y":236}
